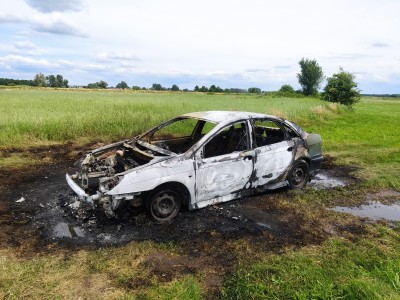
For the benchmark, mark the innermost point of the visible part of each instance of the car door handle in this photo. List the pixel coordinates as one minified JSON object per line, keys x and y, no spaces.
{"x":290,"y":149}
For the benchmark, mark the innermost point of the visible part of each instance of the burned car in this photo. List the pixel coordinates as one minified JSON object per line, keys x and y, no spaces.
{"x":197,"y":159}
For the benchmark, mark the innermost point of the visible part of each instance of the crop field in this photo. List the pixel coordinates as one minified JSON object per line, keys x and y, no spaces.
{"x":311,"y":252}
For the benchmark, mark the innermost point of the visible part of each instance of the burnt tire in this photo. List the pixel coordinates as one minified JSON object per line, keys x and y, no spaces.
{"x":163,"y":204}
{"x":298,"y":175}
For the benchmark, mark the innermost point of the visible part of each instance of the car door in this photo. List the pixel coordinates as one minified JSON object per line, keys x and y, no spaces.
{"x":224,"y":165}
{"x":274,"y":150}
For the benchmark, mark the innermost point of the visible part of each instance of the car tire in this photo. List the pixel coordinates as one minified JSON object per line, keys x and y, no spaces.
{"x":298,"y":175}
{"x":163,"y":204}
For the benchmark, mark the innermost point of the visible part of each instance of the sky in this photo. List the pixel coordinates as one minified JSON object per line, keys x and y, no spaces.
{"x":229,"y":43}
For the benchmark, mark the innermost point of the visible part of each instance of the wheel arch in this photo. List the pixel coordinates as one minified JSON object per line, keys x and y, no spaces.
{"x":176,"y":186}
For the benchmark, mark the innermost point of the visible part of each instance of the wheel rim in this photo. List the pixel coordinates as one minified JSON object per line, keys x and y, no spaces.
{"x":164,"y":205}
{"x":298,"y":176}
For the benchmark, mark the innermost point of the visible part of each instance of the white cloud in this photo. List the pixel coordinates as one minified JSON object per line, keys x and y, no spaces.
{"x":47,"y":6}
{"x":17,"y":61}
{"x":59,"y":27}
{"x":25,"y":45}
{"x":54,"y":23}
{"x":117,"y":56}
{"x":231,"y":43}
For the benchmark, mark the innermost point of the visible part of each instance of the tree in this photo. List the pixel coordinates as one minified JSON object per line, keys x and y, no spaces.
{"x":102,"y":84}
{"x":310,"y":76}
{"x":136,"y":88}
{"x":254,"y":90}
{"x":287,"y":88}
{"x":156,"y":87}
{"x":215,"y":89}
{"x":59,"y":81}
{"x":93,"y":85}
{"x":341,"y":88}
{"x":196,"y":88}
{"x":51,"y":80}
{"x":97,"y":85}
{"x":40,"y":80}
{"x":122,"y":85}
{"x":174,"y":88}
{"x":65,"y":83}
{"x":203,"y":89}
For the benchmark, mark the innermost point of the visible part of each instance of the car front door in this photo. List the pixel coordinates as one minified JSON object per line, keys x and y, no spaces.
{"x":224,"y":165}
{"x":274,"y":151}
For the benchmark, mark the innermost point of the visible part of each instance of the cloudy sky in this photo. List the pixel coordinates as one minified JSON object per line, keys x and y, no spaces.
{"x":230,"y":43}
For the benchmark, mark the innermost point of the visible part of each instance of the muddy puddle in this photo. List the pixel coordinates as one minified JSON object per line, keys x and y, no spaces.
{"x":374,"y":210}
{"x":327,"y":179}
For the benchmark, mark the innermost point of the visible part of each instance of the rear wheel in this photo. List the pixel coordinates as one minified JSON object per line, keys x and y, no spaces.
{"x":298,"y":175}
{"x":163,"y":204}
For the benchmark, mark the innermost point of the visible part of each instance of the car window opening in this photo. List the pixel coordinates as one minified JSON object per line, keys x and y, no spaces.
{"x":267,"y":133}
{"x":230,"y":139}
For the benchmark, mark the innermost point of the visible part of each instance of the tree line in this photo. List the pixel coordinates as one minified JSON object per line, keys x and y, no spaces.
{"x":340,"y":87}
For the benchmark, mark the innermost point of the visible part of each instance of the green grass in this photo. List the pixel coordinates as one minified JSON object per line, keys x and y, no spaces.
{"x":366,"y":137}
{"x":105,"y":273}
{"x":340,"y":269}
{"x":365,"y":266}
{"x":40,"y":116}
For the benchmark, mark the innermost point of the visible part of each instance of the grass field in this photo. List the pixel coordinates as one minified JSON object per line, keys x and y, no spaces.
{"x":365,"y":137}
{"x":365,"y":265}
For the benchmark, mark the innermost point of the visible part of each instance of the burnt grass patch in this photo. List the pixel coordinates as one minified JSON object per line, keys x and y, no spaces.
{"x":209,"y":240}
{"x":48,"y":202}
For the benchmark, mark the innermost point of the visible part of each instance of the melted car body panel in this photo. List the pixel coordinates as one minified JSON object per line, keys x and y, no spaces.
{"x":220,"y":176}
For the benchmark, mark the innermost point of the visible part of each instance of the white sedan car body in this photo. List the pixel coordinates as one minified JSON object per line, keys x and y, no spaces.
{"x":198,"y":159}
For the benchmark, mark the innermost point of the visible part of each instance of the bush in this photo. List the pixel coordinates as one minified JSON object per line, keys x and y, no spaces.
{"x":287,"y":88}
{"x":341,"y":88}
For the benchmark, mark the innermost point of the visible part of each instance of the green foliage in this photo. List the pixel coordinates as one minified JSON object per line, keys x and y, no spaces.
{"x":157,"y":87}
{"x":136,"y":88}
{"x":341,"y":88}
{"x":12,"y":82}
{"x":203,"y":89}
{"x":122,"y":85}
{"x":215,"y":89}
{"x":98,"y":85}
{"x":56,"y":81}
{"x":310,"y":76}
{"x":40,"y":80}
{"x":174,"y":88}
{"x":287,"y":88}
{"x":254,"y":90}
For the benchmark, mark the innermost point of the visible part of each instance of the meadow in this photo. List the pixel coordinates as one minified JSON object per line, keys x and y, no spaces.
{"x":365,"y":137}
{"x":349,"y":265}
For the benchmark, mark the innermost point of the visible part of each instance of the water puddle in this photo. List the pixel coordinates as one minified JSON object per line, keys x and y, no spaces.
{"x":375,"y":210}
{"x":324,"y":180}
{"x":66,"y":230}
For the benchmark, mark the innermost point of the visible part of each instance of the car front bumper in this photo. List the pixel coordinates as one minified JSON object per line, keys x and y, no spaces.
{"x":80,"y":192}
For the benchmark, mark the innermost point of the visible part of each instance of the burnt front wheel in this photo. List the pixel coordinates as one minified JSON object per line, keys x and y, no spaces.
{"x":163,"y":204}
{"x":298,"y":175}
